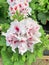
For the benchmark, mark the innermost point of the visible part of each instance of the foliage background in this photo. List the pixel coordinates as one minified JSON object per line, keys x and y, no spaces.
{"x":40,"y":10}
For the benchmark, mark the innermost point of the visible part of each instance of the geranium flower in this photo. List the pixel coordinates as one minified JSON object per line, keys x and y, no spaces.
{"x":12,"y":2}
{"x":23,"y":35}
{"x":18,"y":5}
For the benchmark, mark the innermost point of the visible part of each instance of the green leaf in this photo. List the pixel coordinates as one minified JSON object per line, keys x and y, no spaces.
{"x":3,"y":9}
{"x":2,"y":1}
{"x":42,"y":17}
{"x":41,"y":2}
{"x":5,"y":27}
{"x":48,"y":7}
{"x":2,"y":41}
{"x":3,"y":20}
{"x":47,"y":16}
{"x":40,"y":53}
{"x":14,"y":57}
{"x":18,"y":63}
{"x":6,"y":58}
{"x":24,"y":57}
{"x":30,"y":58}
{"x":18,"y":16}
{"x":42,"y":31}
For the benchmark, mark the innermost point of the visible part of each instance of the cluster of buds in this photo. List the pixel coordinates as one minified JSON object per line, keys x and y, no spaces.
{"x":23,"y":35}
{"x":22,"y":6}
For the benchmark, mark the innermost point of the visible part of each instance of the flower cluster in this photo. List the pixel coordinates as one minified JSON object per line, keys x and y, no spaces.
{"x":23,"y":35}
{"x":22,"y":6}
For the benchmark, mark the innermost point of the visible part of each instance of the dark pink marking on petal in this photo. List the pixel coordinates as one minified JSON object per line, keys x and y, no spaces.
{"x":15,"y":8}
{"x":30,"y":38}
{"x":16,"y":41}
{"x":17,"y":29}
{"x":23,"y":9}
{"x":11,"y":8}
{"x":22,"y":41}
{"x":13,"y":12}
{"x":25,"y":4}
{"x":11,"y":0}
{"x":20,"y":5}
